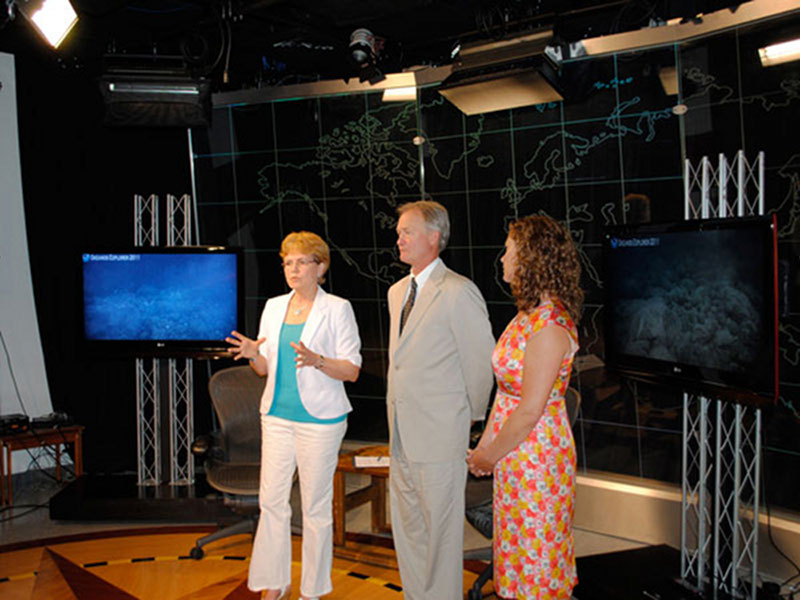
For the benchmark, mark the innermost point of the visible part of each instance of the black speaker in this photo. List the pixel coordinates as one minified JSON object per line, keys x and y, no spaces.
{"x":155,"y":101}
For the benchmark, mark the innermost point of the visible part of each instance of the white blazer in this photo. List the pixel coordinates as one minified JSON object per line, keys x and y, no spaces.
{"x":330,"y":330}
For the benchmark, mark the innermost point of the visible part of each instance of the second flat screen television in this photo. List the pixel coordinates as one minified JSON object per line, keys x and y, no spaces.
{"x":694,"y":304}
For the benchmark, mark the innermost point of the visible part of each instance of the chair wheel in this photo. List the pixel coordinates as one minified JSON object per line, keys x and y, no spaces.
{"x":196,"y":553}
{"x":474,"y":595}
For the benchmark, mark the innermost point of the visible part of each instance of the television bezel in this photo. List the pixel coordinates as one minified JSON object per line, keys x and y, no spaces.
{"x":709,"y":381}
{"x":183,"y":348}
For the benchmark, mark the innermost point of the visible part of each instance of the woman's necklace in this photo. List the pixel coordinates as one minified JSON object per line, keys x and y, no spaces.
{"x":299,"y":310}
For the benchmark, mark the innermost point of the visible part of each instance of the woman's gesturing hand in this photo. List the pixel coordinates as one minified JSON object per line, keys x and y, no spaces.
{"x":243,"y":347}
{"x":303,"y":357}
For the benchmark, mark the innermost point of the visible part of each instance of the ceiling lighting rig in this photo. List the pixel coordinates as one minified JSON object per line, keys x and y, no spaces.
{"x":503,"y":74}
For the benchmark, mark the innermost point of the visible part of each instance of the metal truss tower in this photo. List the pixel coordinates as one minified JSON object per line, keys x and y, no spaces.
{"x":148,"y":371}
{"x":722,"y":440}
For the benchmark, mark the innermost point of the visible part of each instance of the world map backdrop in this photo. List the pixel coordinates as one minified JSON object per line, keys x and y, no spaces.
{"x":340,"y":166}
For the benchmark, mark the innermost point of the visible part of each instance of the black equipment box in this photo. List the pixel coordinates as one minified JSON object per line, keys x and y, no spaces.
{"x":16,"y":423}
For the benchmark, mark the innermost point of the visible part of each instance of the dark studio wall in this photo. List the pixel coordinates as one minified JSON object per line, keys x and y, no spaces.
{"x":341,"y":165}
{"x":79,"y":179}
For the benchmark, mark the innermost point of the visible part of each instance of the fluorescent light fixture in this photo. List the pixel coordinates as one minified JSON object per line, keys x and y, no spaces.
{"x":54,"y":19}
{"x":503,"y":74}
{"x":401,"y":94}
{"x":153,"y":100}
{"x":152,"y":88}
{"x":500,"y":92}
{"x":777,"y":54}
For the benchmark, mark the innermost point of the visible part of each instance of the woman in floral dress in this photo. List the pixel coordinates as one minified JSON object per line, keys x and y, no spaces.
{"x":528,"y":442}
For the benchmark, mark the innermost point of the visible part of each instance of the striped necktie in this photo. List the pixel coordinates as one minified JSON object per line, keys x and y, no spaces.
{"x":412,"y":295}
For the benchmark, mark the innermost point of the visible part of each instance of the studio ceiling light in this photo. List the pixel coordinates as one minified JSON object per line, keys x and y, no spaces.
{"x":777,"y":54}
{"x":191,"y":89}
{"x":158,"y":94}
{"x":502,"y":75}
{"x":489,"y":93}
{"x":400,"y":94}
{"x":53,"y":19}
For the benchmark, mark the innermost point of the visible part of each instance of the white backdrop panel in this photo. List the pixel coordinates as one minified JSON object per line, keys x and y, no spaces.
{"x":23,"y":381}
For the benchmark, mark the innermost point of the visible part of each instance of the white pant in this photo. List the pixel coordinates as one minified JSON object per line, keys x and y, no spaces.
{"x":314,"y":448}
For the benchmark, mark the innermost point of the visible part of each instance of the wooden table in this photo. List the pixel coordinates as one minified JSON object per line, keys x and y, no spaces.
{"x":35,"y":438}
{"x":374,"y":493}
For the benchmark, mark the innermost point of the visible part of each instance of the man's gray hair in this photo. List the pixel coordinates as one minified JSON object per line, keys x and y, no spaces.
{"x":435,"y":216}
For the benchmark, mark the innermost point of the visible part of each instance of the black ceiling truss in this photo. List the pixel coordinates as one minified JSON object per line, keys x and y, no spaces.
{"x":248,"y":43}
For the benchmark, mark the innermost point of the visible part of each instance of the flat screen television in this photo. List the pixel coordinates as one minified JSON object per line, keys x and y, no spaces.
{"x":694,"y":304}
{"x":169,"y":302}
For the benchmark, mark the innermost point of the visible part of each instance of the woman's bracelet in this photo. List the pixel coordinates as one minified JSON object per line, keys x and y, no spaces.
{"x":320,"y":362}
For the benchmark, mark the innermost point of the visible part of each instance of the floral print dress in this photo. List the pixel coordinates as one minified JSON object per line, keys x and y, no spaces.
{"x":534,"y":484}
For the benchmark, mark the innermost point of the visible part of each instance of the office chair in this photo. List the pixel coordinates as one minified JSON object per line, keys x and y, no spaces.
{"x":233,"y":454}
{"x":478,"y":503}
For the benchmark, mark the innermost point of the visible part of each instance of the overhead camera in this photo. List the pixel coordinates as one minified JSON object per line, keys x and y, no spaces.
{"x":362,"y":46}
{"x":364,"y":49}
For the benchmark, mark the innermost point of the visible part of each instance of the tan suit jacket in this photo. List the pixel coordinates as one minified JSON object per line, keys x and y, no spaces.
{"x":440,"y":374}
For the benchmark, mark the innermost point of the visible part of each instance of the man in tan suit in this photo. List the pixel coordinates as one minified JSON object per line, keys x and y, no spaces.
{"x":439,"y":381}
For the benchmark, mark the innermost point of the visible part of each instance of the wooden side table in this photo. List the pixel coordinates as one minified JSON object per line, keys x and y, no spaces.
{"x":374,"y":493}
{"x":35,"y":438}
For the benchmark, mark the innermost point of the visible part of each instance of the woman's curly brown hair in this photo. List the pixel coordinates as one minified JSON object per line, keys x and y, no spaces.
{"x":547,"y":264}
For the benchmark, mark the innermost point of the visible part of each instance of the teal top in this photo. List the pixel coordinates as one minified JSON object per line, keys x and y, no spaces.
{"x":286,"y":402}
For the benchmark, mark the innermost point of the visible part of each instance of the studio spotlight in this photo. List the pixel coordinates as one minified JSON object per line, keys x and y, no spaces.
{"x":53,"y":19}
{"x":364,"y":50}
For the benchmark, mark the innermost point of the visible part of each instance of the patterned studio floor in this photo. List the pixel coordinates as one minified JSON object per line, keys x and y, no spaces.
{"x":155,"y":564}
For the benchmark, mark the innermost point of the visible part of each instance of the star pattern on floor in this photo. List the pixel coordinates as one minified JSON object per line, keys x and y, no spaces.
{"x":58,"y":578}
